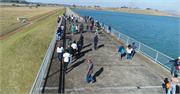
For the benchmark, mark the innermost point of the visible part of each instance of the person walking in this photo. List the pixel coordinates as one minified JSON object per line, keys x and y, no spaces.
{"x":173,"y":82}
{"x":91,"y":27}
{"x":81,"y":39}
{"x":89,"y":77}
{"x":79,"y":46}
{"x":62,"y":28}
{"x":122,"y":51}
{"x":175,"y":66}
{"x":60,"y":51}
{"x":58,"y":19}
{"x":66,"y":60}
{"x":166,"y":85}
{"x":129,"y":51}
{"x":87,"y":27}
{"x":133,"y":49}
{"x":96,"y":39}
{"x":76,"y":27}
{"x":70,"y":51}
{"x":109,"y":29}
{"x":73,"y":29}
{"x":74,"y":47}
{"x":58,"y":34}
{"x":81,"y":28}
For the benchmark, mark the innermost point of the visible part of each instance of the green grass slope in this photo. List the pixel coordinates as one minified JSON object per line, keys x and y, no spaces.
{"x":22,"y":55}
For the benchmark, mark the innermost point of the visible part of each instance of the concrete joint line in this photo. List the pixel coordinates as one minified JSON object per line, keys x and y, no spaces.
{"x":107,"y":88}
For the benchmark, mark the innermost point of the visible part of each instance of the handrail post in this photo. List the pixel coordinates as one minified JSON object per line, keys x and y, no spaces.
{"x":127,"y":42}
{"x":119,"y":36}
{"x":139,"y":47}
{"x":157,"y":54}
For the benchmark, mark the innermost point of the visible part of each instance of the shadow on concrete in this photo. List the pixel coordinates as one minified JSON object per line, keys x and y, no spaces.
{"x":78,"y":56}
{"x":69,"y":33}
{"x":86,"y":51}
{"x":75,"y":65}
{"x":98,"y":73}
{"x":87,"y":45}
{"x":102,"y":45}
{"x":53,"y":73}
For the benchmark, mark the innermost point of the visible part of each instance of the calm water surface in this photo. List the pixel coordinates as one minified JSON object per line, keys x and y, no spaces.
{"x":158,"y":32}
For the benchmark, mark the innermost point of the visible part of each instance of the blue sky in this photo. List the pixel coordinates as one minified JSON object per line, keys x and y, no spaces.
{"x":156,"y":4}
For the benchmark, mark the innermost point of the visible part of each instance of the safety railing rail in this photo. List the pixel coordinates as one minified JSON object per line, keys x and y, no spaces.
{"x":149,"y":52}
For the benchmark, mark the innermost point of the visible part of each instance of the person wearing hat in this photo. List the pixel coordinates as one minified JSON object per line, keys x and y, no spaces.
{"x":176,"y":66}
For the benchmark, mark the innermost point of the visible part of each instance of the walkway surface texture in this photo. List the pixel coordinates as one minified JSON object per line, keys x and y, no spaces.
{"x":113,"y":76}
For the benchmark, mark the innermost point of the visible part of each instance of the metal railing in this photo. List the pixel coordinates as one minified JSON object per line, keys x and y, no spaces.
{"x":40,"y":78}
{"x":145,"y":50}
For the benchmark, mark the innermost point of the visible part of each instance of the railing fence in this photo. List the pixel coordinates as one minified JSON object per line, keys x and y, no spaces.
{"x":149,"y":52}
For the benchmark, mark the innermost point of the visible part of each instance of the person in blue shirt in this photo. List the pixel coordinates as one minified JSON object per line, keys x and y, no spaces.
{"x":122,"y":51}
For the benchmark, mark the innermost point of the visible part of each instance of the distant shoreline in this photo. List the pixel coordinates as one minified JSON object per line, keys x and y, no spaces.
{"x":135,"y":11}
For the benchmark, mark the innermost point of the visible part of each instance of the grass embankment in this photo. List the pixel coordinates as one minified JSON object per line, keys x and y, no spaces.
{"x":9,"y":15}
{"x":139,"y":11}
{"x":136,"y":11}
{"x":22,"y":54}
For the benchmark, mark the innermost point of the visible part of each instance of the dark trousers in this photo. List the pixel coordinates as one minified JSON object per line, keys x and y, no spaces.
{"x":129,"y":56}
{"x":133,"y":53}
{"x":95,"y":45}
{"x":89,"y":78}
{"x":65,"y":66}
{"x":123,"y":55}
{"x":60,"y":55}
{"x":177,"y":89}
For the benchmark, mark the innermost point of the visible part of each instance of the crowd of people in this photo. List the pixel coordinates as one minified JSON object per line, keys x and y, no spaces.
{"x":74,"y":47}
{"x":172,"y":86}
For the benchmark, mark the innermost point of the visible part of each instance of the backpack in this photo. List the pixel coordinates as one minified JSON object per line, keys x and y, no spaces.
{"x":167,"y":85}
{"x":121,"y":50}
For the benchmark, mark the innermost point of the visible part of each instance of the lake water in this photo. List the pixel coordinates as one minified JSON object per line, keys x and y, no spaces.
{"x":159,"y":32}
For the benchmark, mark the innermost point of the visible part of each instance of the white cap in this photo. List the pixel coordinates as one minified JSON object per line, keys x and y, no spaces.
{"x":179,"y":57}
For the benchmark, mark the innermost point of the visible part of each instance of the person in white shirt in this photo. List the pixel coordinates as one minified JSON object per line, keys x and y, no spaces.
{"x":66,"y":60}
{"x":62,"y":27}
{"x":129,"y":51}
{"x":76,"y":27}
{"x":74,"y":45}
{"x":75,"y":48}
{"x":60,"y":51}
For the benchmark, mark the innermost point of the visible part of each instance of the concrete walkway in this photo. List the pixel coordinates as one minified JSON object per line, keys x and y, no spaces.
{"x":113,"y":76}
